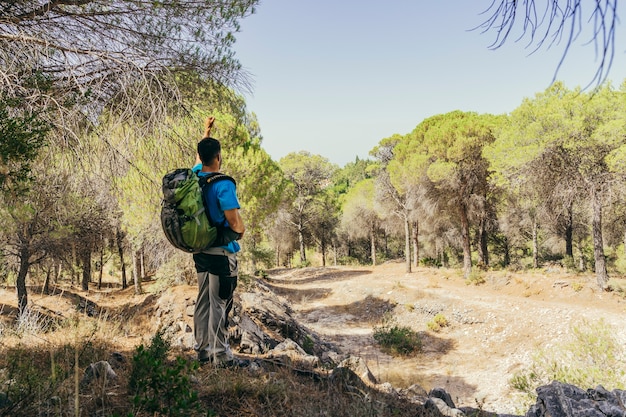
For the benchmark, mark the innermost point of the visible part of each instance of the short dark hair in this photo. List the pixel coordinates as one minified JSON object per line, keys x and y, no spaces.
{"x":208,"y":149}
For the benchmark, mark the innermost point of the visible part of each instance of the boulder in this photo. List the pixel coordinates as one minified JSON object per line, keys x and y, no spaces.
{"x":564,"y":400}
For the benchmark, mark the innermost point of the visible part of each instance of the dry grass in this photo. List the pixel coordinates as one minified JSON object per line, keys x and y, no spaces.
{"x":42,"y":361}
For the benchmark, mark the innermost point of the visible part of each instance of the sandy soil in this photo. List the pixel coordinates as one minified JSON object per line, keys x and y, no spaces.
{"x":494,"y":328}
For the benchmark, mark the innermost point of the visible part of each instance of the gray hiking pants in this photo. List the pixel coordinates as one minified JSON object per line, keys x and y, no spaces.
{"x":215,"y":299}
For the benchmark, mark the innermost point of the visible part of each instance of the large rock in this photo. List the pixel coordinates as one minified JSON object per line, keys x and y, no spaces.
{"x":565,"y":400}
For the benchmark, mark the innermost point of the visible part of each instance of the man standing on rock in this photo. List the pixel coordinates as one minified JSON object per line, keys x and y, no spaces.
{"x":217,"y":266}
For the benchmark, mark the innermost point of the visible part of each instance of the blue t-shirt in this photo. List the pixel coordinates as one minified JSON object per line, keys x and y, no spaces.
{"x":220,"y":196}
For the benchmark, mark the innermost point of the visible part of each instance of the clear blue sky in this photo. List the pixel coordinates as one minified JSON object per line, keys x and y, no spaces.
{"x":334,"y":77}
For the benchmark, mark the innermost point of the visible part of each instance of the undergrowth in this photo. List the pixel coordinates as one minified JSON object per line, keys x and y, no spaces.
{"x":395,"y":339}
{"x":45,"y":375}
{"x":590,"y":358}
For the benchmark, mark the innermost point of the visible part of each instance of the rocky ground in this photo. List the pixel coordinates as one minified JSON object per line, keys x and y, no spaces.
{"x":494,"y":330}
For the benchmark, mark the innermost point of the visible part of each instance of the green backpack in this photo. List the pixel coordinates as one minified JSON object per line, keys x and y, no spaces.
{"x":184,"y":218}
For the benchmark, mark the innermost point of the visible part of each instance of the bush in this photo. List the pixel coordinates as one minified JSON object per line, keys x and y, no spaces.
{"x":159,"y":386}
{"x":397,"y":340}
{"x":438,"y":322}
{"x":430,"y":262}
{"x":264,"y":257}
{"x":476,"y":277}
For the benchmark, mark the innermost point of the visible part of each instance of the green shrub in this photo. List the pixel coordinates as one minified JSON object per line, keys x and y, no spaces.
{"x":569,"y":263}
{"x":308,"y":344}
{"x":430,"y":262}
{"x":303,"y":264}
{"x":397,"y":340}
{"x":158,"y":385}
{"x":263,"y":256}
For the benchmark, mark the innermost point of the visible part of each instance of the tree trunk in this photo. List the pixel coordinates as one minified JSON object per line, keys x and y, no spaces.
{"x":323,"y":248}
{"x":373,"y":244}
{"x":507,"y":252}
{"x":252,"y":246}
{"x":407,"y":244}
{"x":535,"y":244}
{"x":301,"y":240}
{"x":483,"y":249}
{"x":142,"y":264}
{"x":569,"y":232}
{"x":598,"y":247}
{"x":582,"y":264}
{"x":73,"y":271}
{"x":136,"y":273}
{"x":46,"y":283}
{"x":86,"y":261}
{"x":120,"y":251}
{"x":465,"y":237}
{"x":415,"y":239}
{"x":22,"y":296}
{"x":58,"y":272}
{"x":101,"y":269}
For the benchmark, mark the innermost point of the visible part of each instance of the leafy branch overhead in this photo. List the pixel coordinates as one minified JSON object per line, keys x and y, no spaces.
{"x":90,"y":51}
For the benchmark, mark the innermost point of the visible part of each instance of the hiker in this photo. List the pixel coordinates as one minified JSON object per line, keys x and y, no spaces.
{"x":217,"y":266}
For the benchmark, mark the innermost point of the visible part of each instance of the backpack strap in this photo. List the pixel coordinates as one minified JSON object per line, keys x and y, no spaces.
{"x":207,"y":180}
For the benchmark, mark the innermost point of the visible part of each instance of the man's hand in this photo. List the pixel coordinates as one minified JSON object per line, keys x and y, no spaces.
{"x":207,"y":126}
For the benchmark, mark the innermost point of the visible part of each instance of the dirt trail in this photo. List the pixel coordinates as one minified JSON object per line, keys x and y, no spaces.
{"x":494,"y":328}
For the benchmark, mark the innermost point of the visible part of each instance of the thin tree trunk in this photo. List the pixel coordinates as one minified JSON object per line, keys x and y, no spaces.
{"x":101,"y":271}
{"x":22,"y":295}
{"x":386,"y":243}
{"x":535,"y":244}
{"x":507,"y":252}
{"x":483,"y":249}
{"x":73,"y":271}
{"x":46,"y":282}
{"x":252,"y":243}
{"x":120,"y":251}
{"x":373,"y":244}
{"x":415,"y":239}
{"x":301,"y":240}
{"x":465,"y":237}
{"x":582,"y":264}
{"x":58,"y":272}
{"x":569,"y":232}
{"x":142,"y":264}
{"x":407,"y":244}
{"x":86,"y":261}
{"x":598,"y":246}
{"x":136,"y":273}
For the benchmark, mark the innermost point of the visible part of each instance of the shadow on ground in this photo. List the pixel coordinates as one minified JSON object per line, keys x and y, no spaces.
{"x":308,"y":275}
{"x":297,"y":294}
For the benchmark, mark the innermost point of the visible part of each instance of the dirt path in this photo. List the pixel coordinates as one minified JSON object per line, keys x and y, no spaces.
{"x":494,"y":328}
